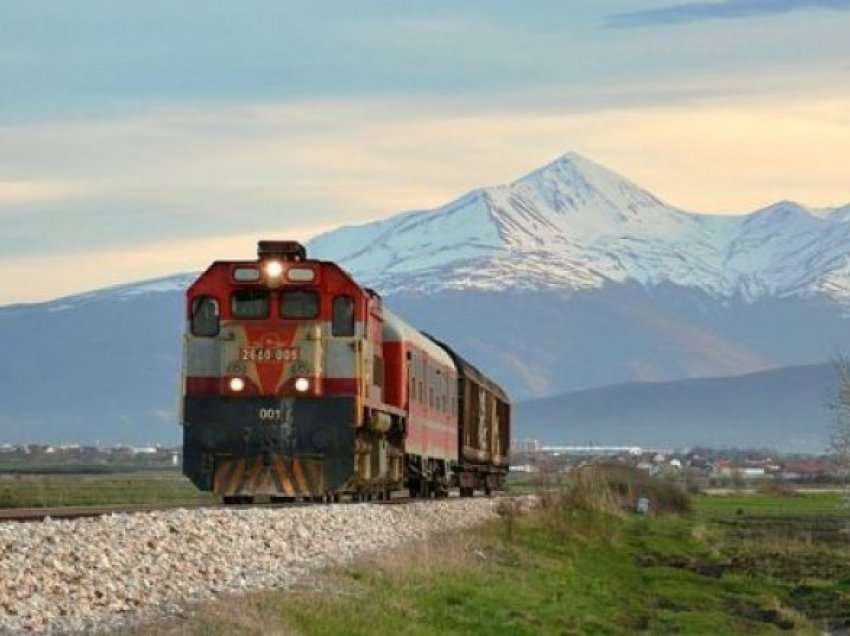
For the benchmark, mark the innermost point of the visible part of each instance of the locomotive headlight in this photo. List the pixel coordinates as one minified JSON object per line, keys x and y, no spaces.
{"x":302,"y":384}
{"x":237,"y":384}
{"x":273,"y":269}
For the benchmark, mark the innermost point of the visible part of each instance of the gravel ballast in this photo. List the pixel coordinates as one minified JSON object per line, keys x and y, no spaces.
{"x":91,"y":574}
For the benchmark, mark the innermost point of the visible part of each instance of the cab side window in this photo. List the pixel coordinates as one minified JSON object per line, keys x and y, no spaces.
{"x":205,"y":316}
{"x":343,"y":316}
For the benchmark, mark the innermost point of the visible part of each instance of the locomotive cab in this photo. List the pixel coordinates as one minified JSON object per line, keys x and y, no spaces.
{"x":281,"y":357}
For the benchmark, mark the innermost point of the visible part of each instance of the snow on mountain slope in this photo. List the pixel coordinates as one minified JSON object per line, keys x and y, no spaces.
{"x":176,"y":283}
{"x":574,"y":224}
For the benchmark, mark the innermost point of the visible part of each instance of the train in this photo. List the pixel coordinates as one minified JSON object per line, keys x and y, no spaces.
{"x":299,"y":383}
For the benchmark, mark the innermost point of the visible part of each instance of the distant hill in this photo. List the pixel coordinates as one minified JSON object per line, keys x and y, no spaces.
{"x":783,"y":408}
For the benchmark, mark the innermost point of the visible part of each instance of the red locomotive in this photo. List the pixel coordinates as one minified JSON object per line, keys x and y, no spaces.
{"x":298,"y":382}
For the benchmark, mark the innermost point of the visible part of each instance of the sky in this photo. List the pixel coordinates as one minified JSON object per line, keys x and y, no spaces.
{"x":142,"y":139}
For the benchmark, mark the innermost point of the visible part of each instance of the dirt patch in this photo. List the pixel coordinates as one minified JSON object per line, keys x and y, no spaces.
{"x":827,"y":606}
{"x":825,"y":530}
{"x":791,"y":566}
{"x":754,"y":612}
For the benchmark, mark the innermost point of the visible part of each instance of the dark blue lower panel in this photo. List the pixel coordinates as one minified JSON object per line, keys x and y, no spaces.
{"x":216,"y":429}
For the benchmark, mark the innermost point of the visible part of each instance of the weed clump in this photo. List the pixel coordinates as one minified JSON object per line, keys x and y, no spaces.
{"x":614,"y":489}
{"x":631,"y":484}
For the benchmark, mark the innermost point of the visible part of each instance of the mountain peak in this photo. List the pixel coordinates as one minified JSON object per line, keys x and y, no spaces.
{"x":571,"y":163}
{"x":574,"y":224}
{"x":601,"y":189}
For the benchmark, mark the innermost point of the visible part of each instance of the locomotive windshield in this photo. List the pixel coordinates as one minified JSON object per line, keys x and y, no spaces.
{"x":250,"y":304}
{"x":299,"y":304}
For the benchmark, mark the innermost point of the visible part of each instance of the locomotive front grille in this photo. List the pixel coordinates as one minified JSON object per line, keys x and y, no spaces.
{"x":274,"y":476}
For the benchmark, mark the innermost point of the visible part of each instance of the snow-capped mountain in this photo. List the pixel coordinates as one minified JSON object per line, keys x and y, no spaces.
{"x":574,"y":224}
{"x":567,"y":279}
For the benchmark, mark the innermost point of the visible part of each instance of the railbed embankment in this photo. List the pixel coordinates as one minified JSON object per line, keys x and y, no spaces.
{"x":94,"y":574}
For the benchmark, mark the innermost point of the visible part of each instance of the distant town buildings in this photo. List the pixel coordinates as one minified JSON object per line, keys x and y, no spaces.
{"x":732,"y":466}
{"x":74,"y":454}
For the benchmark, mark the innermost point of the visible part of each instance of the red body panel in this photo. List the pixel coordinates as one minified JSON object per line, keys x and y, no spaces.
{"x":423,"y":383}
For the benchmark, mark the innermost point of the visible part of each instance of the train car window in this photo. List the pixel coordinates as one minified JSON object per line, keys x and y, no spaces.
{"x":205,"y":316}
{"x":421,"y":393}
{"x":250,"y":304}
{"x":343,"y":316}
{"x":299,"y":304}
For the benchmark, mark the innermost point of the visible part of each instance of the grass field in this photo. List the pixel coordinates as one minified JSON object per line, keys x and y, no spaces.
{"x":143,"y":487}
{"x":744,"y":564}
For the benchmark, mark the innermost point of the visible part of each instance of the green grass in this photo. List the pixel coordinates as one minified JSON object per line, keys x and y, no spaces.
{"x":770,"y":505}
{"x":713,"y":571}
{"x":522,"y":483}
{"x":37,"y":491}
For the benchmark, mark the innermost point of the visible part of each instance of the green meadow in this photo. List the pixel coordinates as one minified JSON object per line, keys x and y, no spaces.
{"x":582,"y":564}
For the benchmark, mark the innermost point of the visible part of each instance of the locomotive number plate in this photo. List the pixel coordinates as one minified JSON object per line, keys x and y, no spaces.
{"x":268,"y":354}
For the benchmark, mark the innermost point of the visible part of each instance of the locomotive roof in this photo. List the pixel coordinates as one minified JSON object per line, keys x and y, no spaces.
{"x":396,"y":328}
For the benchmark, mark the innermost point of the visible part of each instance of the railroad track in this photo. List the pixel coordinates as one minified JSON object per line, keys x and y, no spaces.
{"x":82,"y":512}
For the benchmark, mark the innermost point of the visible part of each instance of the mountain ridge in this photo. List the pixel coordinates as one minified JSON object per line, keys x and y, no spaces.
{"x":574,"y":224}
{"x":498,"y":237}
{"x":786,"y":409}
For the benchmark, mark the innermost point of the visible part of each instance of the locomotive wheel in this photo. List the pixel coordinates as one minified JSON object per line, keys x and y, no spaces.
{"x":415,"y":489}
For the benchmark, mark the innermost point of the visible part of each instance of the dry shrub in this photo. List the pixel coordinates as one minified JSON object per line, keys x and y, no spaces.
{"x":590,"y":490}
{"x":581,"y":506}
{"x":630,"y":484}
{"x":508,"y":510}
{"x":548,"y":476}
{"x":613,"y":489}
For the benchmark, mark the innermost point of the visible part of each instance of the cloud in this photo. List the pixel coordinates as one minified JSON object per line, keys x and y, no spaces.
{"x":694,"y":11}
{"x":17,"y":192}
{"x":41,"y":278}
